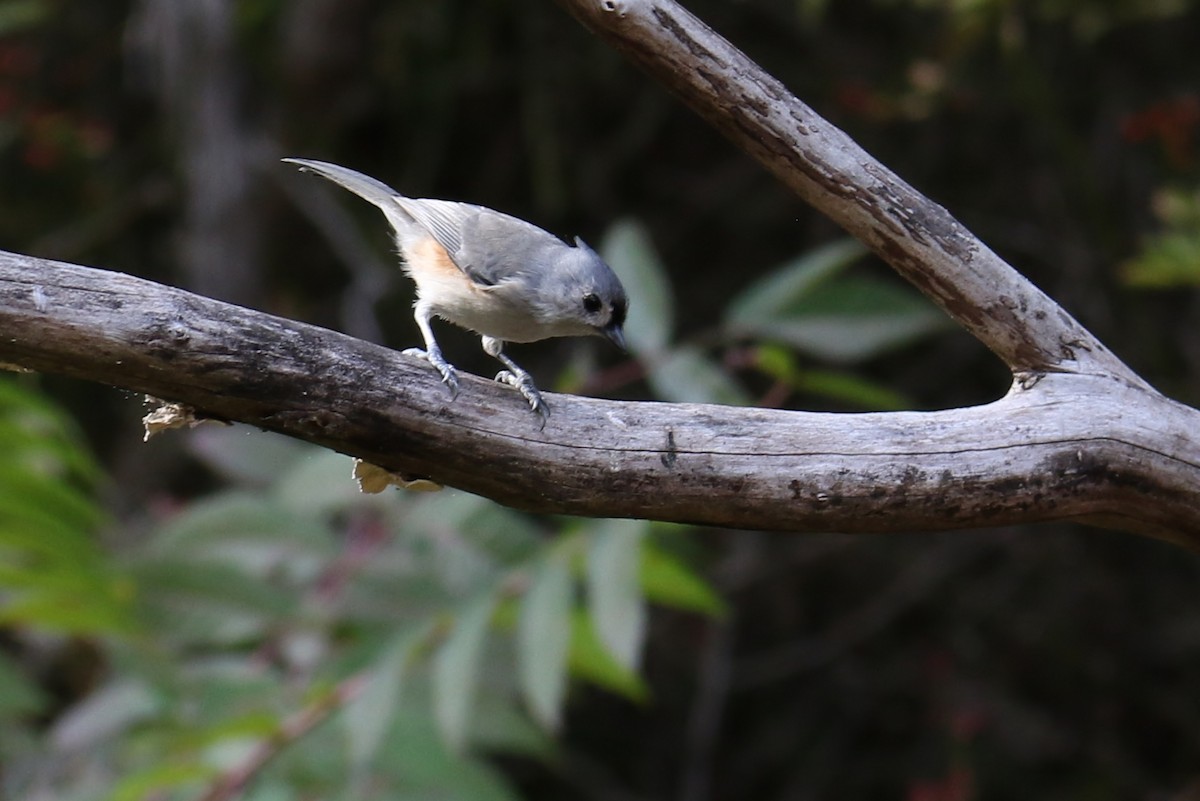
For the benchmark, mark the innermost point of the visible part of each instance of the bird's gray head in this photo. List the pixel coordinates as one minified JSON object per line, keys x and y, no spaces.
{"x":584,"y":296}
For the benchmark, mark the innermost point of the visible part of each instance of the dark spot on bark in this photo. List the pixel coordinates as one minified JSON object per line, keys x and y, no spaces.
{"x":910,"y":477}
{"x":669,"y":24}
{"x":779,"y":94}
{"x":112,"y":301}
{"x":759,"y":107}
{"x":670,"y":454}
{"x":166,"y":338}
{"x":1009,"y":486}
{"x":796,"y":112}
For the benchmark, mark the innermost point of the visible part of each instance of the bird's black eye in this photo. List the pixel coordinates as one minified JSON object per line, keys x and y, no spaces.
{"x":591,"y":303}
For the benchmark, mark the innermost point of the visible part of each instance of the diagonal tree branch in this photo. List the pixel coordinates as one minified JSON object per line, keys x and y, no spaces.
{"x":916,"y":236}
{"x":1079,"y":436}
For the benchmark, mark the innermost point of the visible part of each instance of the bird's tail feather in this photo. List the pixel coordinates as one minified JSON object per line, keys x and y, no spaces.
{"x":364,"y":186}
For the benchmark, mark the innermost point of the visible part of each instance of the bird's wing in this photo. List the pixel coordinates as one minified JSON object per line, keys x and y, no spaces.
{"x":486,"y":245}
{"x":443,"y":219}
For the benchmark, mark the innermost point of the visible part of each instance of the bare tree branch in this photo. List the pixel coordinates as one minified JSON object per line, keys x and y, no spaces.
{"x":1067,"y":446}
{"x":1079,"y":435}
{"x":919,"y":238}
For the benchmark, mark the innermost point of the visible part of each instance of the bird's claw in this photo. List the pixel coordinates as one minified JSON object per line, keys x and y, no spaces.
{"x":521,"y":381}
{"x":449,"y":376}
{"x":524,"y":384}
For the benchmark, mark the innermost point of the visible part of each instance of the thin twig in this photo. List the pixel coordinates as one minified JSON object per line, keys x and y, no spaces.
{"x":232,"y":783}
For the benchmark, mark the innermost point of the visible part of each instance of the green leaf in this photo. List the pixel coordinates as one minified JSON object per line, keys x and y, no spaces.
{"x":245,"y":454}
{"x":500,"y":725}
{"x":849,"y":320}
{"x":456,"y":671}
{"x":38,"y":437}
{"x":769,"y":297}
{"x":628,"y":250}
{"x":31,"y":536}
{"x":240,"y":727}
{"x":27,"y":496}
{"x":807,"y":305}
{"x":614,"y":589}
{"x":780,"y":364}
{"x":153,"y":781}
{"x":318,"y":483}
{"x":52,"y":570}
{"x":84,"y":606}
{"x":238,"y":517}
{"x":104,"y":714}
{"x":366,"y":718}
{"x":487,"y":532}
{"x":544,"y":638}
{"x":591,"y":661}
{"x":248,"y":530}
{"x":687,"y":375}
{"x":506,"y":536}
{"x":208,"y":602}
{"x":1171,"y":259}
{"x":668,"y":581}
{"x":422,"y":768}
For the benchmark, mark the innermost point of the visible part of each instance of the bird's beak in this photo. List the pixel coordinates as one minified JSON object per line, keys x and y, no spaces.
{"x":615,"y":335}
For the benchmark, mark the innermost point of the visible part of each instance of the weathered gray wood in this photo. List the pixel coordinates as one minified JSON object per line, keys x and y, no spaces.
{"x":1079,"y":436}
{"x":916,"y":236}
{"x":1065,"y":446}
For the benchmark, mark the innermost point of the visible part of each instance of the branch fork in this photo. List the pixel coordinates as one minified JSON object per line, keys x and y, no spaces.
{"x":1079,"y":436}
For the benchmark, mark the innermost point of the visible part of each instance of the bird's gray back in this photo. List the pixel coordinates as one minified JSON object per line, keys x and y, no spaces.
{"x":487,"y":245}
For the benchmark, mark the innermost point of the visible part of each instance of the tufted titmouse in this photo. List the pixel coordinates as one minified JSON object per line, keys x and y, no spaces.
{"x":499,"y":276}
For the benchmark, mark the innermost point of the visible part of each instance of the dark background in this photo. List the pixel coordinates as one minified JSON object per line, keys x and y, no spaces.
{"x":1055,"y":661}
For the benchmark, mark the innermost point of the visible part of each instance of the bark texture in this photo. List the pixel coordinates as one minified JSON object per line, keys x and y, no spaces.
{"x":1059,"y":446}
{"x":1079,"y":435}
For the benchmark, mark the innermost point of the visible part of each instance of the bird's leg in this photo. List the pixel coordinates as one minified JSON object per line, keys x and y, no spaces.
{"x":517,"y":378}
{"x":432,"y":353}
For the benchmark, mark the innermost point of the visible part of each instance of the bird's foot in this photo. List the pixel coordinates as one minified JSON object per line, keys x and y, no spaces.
{"x":523,"y":383}
{"x":449,"y":376}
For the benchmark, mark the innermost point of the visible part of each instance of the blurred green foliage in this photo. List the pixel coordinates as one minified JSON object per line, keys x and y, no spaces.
{"x":435,"y":628}
{"x":1171,"y":258}
{"x":52,"y":571}
{"x":811,"y":305}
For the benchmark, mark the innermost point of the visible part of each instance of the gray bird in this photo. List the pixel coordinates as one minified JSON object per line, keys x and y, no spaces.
{"x":501,"y":277}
